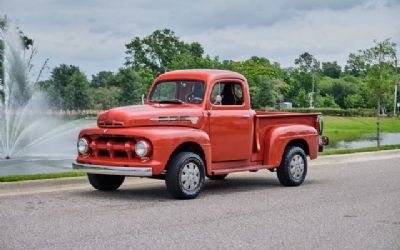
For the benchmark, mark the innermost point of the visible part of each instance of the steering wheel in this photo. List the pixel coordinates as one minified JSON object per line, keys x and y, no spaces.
{"x":194,"y":99}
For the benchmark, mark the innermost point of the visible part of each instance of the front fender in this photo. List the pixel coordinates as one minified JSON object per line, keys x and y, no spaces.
{"x":163,"y":139}
{"x":277,"y":138}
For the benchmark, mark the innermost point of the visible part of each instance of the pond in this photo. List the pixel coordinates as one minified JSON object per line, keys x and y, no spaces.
{"x":368,"y":140}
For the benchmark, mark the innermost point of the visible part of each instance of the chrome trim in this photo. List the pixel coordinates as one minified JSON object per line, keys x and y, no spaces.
{"x":111,"y":170}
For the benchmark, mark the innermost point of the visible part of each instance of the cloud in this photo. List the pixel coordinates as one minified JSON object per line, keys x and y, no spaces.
{"x":92,"y":33}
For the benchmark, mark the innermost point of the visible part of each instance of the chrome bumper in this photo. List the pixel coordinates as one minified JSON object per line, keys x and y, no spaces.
{"x":111,"y":170}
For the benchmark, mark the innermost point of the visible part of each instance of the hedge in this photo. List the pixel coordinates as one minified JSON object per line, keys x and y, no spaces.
{"x":335,"y":111}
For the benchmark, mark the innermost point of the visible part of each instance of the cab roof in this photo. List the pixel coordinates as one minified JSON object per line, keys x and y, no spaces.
{"x":200,"y":74}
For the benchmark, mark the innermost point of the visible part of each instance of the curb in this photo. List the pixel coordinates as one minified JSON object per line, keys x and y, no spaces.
{"x":43,"y":183}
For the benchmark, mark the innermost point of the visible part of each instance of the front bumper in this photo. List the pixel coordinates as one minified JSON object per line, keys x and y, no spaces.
{"x":112,"y":170}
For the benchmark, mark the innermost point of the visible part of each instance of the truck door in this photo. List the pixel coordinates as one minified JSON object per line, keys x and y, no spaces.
{"x":231,"y":123}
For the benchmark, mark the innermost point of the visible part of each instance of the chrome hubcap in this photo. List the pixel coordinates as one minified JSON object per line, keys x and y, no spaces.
{"x":190,"y":176}
{"x":297,"y":167}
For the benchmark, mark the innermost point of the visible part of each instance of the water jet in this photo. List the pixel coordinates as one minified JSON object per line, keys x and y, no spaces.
{"x":32,"y":138}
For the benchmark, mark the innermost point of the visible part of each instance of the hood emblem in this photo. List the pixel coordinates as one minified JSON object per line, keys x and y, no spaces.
{"x":105,"y":131}
{"x":191,"y":119}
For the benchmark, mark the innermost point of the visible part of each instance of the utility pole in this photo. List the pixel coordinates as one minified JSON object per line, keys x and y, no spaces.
{"x":395,"y":89}
{"x":311,"y":95}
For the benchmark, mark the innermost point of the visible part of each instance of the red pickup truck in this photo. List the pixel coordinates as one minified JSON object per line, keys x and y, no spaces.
{"x":197,"y":124}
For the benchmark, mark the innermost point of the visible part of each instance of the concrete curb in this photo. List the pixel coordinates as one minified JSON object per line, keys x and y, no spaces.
{"x":63,"y":183}
{"x":43,"y":183}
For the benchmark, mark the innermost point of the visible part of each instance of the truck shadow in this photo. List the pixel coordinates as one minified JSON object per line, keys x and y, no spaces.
{"x":157,"y":191}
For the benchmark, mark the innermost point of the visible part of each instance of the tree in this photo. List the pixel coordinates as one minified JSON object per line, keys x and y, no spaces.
{"x":269,"y":91}
{"x":308,"y":64}
{"x":131,"y":86}
{"x":157,"y":51}
{"x":356,"y":64}
{"x":331,"y":69}
{"x":76,"y":93}
{"x":301,"y":100}
{"x":103,"y":79}
{"x":381,"y":59}
{"x":354,"y":101}
{"x":327,"y":101}
{"x":105,"y":98}
{"x":63,"y":84}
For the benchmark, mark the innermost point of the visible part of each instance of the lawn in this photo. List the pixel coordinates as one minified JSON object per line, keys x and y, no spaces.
{"x":352,"y":128}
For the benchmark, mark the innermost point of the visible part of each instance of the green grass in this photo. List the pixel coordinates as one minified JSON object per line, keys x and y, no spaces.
{"x":353,"y":128}
{"x":13,"y":178}
{"x":359,"y":150}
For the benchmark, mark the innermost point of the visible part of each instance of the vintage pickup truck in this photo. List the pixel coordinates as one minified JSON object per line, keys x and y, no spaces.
{"x":197,"y":124}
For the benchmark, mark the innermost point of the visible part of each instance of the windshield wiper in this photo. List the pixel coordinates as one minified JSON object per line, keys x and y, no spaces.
{"x":172,"y":101}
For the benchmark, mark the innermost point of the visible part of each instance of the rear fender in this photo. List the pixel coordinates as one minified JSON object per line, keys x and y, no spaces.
{"x":277,"y":138}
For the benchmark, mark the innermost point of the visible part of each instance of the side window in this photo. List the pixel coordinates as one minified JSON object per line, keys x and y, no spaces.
{"x":227,"y":93}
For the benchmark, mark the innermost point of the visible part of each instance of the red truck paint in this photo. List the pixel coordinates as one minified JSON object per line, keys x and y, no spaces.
{"x":228,"y":138}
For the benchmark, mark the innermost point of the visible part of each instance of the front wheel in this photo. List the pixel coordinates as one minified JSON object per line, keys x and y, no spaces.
{"x":105,"y":182}
{"x":185,"y":175}
{"x":293,"y":168}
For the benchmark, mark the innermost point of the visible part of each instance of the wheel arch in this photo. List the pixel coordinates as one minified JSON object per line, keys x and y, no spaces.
{"x":279,"y":138}
{"x":301,"y":143}
{"x":194,"y":147}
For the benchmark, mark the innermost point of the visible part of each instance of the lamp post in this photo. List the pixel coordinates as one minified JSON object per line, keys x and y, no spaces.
{"x":395,"y":90}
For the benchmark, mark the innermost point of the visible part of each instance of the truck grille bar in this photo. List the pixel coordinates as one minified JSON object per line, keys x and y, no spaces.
{"x":113,"y":147}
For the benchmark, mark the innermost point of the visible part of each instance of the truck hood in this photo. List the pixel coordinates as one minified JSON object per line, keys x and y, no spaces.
{"x":152,"y":115}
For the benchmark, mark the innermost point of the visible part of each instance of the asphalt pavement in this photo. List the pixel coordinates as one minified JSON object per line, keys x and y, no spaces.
{"x":346,"y":202}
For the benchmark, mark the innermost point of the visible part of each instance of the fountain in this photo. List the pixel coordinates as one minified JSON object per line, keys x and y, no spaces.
{"x":28,"y":131}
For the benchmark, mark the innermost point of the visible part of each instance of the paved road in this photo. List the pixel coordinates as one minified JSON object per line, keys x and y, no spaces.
{"x":350,"y":202}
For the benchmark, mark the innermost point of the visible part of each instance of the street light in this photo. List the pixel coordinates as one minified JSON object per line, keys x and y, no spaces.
{"x":395,"y":88}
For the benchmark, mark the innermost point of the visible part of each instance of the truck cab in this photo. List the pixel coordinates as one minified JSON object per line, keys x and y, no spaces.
{"x":196,"y":124}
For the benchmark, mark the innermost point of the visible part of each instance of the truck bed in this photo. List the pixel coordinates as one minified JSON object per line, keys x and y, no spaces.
{"x":266,"y":121}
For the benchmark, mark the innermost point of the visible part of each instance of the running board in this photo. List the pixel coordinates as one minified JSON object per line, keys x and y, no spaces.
{"x":240,"y":169}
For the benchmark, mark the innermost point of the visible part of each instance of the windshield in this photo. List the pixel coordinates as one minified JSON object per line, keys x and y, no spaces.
{"x":180,"y":91}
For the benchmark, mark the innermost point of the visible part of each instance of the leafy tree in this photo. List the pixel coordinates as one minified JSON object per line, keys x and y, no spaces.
{"x":354,"y":101}
{"x":131,"y":86}
{"x":157,"y":51}
{"x":186,"y":61}
{"x":356,"y":64}
{"x":255,"y":67}
{"x":327,"y":101}
{"x":309,"y":65}
{"x":103,"y":79}
{"x":58,"y":89}
{"x":331,"y":69}
{"x":76,"y":93}
{"x":105,"y":98}
{"x":301,"y":99}
{"x":381,"y":59}
{"x":269,"y":91}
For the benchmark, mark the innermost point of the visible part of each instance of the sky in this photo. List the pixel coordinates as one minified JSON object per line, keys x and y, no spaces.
{"x":92,"y":33}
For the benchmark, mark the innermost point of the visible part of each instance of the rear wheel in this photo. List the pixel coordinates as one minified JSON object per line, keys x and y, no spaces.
{"x":105,"y":182}
{"x":217,"y":177}
{"x":293,"y":168}
{"x":185,"y":175}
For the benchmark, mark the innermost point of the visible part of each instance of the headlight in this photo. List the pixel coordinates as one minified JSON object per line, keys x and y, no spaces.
{"x":83,"y":146}
{"x":142,"y":148}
